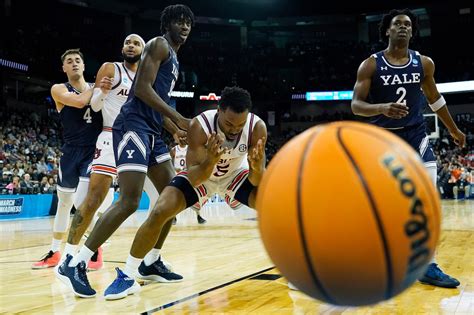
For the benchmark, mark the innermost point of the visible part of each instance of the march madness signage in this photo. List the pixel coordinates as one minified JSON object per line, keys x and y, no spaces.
{"x":11,"y":206}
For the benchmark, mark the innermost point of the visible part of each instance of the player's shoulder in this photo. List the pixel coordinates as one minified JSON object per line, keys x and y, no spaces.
{"x":59,"y":88}
{"x":158,"y":46}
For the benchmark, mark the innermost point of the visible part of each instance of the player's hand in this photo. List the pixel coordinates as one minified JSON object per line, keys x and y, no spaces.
{"x":256,"y":155}
{"x":214,"y":147}
{"x":181,"y":135}
{"x":394,"y":110}
{"x":459,"y":137}
{"x":105,"y":84}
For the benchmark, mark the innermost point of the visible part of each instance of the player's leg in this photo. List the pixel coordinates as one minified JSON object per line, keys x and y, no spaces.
{"x":68,"y":181}
{"x":434,"y":275}
{"x":159,"y":175}
{"x":197,"y":209}
{"x":174,"y":198}
{"x":99,"y":185}
{"x":132,"y":160}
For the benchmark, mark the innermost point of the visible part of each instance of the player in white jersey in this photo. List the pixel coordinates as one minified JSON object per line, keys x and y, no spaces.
{"x":178,"y":156}
{"x":219,"y":143}
{"x":121,"y":77}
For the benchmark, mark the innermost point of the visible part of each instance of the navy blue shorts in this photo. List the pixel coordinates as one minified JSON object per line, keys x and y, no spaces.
{"x":416,"y":136}
{"x":136,"y":151}
{"x":75,"y":163}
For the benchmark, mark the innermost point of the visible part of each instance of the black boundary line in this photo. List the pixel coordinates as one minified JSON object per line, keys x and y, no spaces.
{"x":167,"y":305}
{"x":309,"y":263}
{"x":375,"y":212}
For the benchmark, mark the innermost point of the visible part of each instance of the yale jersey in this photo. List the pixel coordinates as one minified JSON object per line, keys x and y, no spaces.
{"x":138,"y":116}
{"x":81,"y":126}
{"x":121,"y":86}
{"x":180,"y":157}
{"x":235,"y":156}
{"x":398,"y":84}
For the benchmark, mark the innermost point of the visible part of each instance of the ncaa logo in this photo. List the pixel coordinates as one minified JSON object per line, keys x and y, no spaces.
{"x":242,"y":148}
{"x":124,"y":80}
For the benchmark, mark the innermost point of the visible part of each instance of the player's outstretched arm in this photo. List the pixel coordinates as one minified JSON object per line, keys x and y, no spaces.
{"x":256,"y":153}
{"x":361,"y":107}
{"x":156,"y":51}
{"x":437,"y":102}
{"x":203,"y":153}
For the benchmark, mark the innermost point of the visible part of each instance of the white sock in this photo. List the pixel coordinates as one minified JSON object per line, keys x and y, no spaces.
{"x":151,"y":257}
{"x":131,"y":266}
{"x":55,"y":245}
{"x":85,"y":254}
{"x":69,"y":249}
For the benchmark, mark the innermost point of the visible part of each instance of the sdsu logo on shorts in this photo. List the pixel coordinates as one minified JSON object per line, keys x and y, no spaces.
{"x":97,"y":153}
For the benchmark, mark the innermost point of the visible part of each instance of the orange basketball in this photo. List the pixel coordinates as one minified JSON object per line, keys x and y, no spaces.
{"x":348,"y":213}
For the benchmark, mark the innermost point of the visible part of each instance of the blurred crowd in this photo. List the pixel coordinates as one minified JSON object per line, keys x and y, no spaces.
{"x":29,"y":153}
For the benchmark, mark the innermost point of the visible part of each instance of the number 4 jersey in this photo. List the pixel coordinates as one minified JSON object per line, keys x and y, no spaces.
{"x":398,"y":84}
{"x":81,"y":126}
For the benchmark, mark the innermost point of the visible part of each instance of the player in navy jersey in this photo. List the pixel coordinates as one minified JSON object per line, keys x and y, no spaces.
{"x":138,"y":147}
{"x":393,"y":87}
{"x":81,"y":126}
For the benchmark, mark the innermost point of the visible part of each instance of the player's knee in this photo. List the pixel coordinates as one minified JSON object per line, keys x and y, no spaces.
{"x":165,"y":209}
{"x":93,"y":202}
{"x":129,"y":204}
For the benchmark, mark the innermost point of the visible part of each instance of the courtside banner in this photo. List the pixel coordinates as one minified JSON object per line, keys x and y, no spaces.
{"x":24,"y":206}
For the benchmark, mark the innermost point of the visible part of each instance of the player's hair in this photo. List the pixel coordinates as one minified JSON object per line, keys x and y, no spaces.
{"x":72,"y":52}
{"x":175,"y":12}
{"x":387,"y":19}
{"x":235,"y":98}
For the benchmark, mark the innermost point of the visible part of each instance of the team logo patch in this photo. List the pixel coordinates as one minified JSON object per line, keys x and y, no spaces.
{"x":242,"y":148}
{"x":97,"y":153}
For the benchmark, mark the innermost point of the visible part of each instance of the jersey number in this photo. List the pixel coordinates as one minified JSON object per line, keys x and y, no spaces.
{"x":403,"y":91}
{"x":172,"y":87}
{"x":87,"y":116}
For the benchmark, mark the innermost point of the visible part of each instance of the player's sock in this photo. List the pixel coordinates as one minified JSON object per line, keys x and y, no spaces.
{"x":131,"y":266}
{"x":84,"y":255}
{"x":55,"y":245}
{"x":69,"y":249}
{"x":152,"y":256}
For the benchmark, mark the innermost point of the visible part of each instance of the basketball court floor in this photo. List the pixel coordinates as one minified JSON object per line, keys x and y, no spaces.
{"x":225,"y":269}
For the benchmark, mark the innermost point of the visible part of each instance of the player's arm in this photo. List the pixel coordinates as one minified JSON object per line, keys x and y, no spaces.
{"x":156,"y":51}
{"x":437,"y":102}
{"x":360,"y":106}
{"x":62,"y":97}
{"x":203,"y":153}
{"x":102,"y":86}
{"x":256,"y":153}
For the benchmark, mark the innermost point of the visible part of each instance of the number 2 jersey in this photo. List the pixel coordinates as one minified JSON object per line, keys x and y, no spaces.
{"x":398,"y":84}
{"x":81,"y":126}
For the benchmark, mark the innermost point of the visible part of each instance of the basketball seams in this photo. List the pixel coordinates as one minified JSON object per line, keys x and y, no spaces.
{"x":300,"y":222}
{"x":375,"y":212}
{"x":414,"y":166}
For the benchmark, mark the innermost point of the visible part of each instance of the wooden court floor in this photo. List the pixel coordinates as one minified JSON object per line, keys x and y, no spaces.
{"x":225,"y":267}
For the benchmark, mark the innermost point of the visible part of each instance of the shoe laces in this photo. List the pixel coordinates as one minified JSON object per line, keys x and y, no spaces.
{"x":160,"y":266}
{"x":82,"y":273}
{"x":438,"y":273}
{"x":47,"y":256}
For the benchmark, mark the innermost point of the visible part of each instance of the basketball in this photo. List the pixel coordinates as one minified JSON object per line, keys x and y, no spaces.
{"x":348,"y":213}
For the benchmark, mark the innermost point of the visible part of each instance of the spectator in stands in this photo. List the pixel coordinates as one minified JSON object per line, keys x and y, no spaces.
{"x":52,"y":185}
{"x":14,"y":187}
{"x":461,"y":184}
{"x":44,"y":185}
